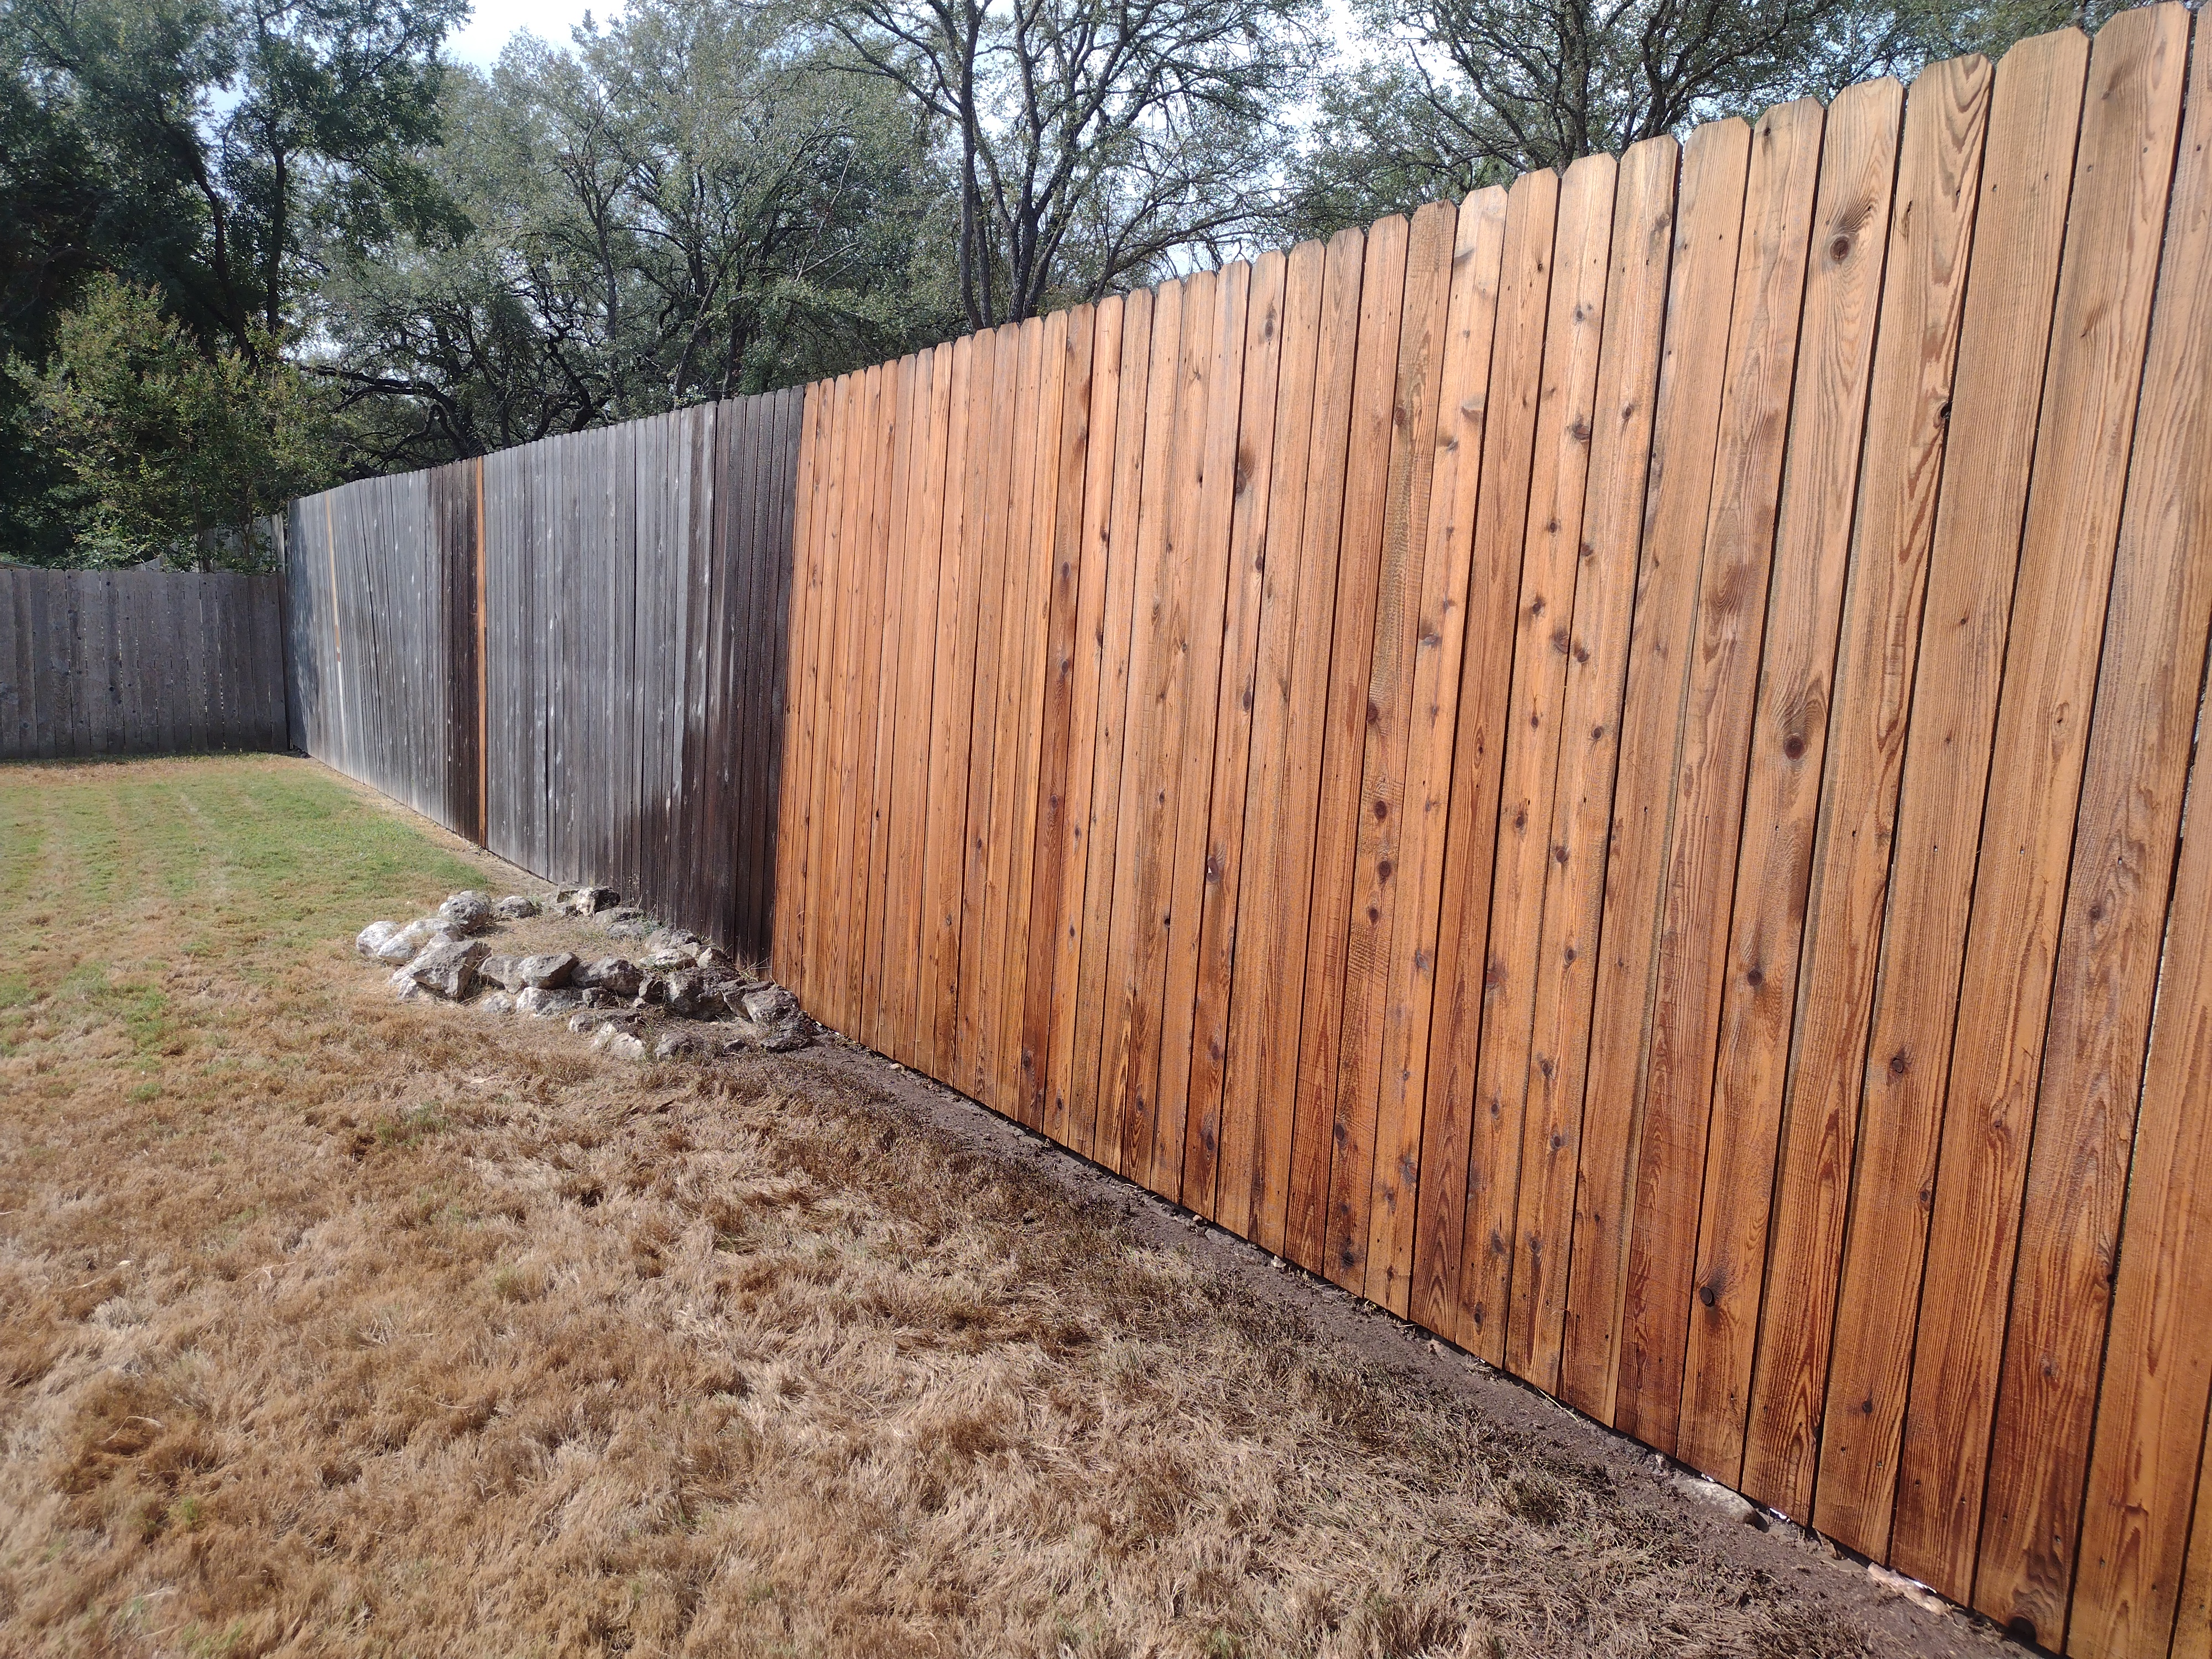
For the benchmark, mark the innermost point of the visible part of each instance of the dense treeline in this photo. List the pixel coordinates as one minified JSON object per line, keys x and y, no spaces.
{"x":248,"y":247}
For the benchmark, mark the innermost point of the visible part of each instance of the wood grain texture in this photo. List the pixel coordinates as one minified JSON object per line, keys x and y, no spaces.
{"x":1373,"y":1158}
{"x":2071,"y":1273}
{"x":1493,"y":479}
{"x":1524,"y":1160}
{"x":1017,"y":1070}
{"x":1063,"y":548}
{"x":1208,"y":513}
{"x":990,"y":480}
{"x":1258,"y":1086}
{"x":893,"y":518}
{"x":1087,"y":517}
{"x":1455,"y":595}
{"x":1788,"y":740}
{"x":1297,"y":1138}
{"x":2027,"y":843}
{"x":1372,"y":377}
{"x":1931,"y":232}
{"x":1709,"y":224}
{"x":1589,"y":721}
{"x":1089,"y":1111}
{"x":1020,"y":624}
{"x":1261,"y":350}
{"x":1128,"y":1056}
{"x":794,"y":823}
{"x":1712,"y":753}
{"x":916,"y":618}
{"x":1959,"y":670}
{"x":952,"y":712}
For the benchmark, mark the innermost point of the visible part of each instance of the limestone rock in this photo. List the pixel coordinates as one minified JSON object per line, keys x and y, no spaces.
{"x":546,"y":1004}
{"x":616,"y":1041}
{"x":741,"y":1034}
{"x":770,"y":1005}
{"x":545,"y":973}
{"x":515,"y":907}
{"x":662,"y":960}
{"x":796,"y":1032}
{"x":447,"y":968}
{"x":494,"y":1002}
{"x":616,"y":975}
{"x":402,"y":947}
{"x":586,"y":900}
{"x":684,"y":996}
{"x":375,"y":937}
{"x":676,"y":1045}
{"x":466,"y":913}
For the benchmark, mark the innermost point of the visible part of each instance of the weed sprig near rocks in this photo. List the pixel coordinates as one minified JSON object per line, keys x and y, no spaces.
{"x":683,"y":998}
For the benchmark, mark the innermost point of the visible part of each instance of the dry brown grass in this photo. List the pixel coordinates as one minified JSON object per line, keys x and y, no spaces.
{"x":331,"y":1326}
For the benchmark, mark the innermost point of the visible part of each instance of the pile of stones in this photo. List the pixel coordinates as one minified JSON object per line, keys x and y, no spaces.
{"x":681,"y":996}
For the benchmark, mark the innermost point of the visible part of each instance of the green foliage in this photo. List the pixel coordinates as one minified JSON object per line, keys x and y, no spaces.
{"x":171,"y":452}
{"x":682,"y":206}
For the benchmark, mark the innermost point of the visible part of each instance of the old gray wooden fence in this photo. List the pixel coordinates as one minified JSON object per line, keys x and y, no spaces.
{"x":572,"y":652}
{"x":139,"y":662}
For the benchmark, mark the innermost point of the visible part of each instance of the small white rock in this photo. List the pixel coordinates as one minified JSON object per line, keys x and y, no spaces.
{"x":617,"y":1042}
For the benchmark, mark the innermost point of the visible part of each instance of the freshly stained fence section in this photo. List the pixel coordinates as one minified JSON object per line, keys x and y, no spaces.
{"x":139,"y":662}
{"x":1610,"y":767}
{"x":573,"y":653}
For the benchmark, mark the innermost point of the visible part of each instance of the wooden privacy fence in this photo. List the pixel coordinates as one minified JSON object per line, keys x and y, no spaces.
{"x":572,"y":652}
{"x":1605,"y":766}
{"x":139,"y":662}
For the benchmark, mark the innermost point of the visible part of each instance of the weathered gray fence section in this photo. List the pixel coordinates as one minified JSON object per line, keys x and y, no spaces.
{"x":572,"y":651}
{"x":381,"y":577}
{"x":139,"y":662}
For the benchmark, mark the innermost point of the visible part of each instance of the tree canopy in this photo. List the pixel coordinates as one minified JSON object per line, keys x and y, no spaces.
{"x":247,"y":244}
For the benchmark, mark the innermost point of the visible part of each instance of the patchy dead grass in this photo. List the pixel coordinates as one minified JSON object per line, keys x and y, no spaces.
{"x":332,"y":1326}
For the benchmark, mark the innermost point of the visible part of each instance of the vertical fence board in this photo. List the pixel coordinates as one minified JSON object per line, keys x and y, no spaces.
{"x":1540,"y":624}
{"x":1262,"y":349}
{"x":1909,"y":420}
{"x":2103,"y":945}
{"x":1097,"y":570}
{"x":1140,"y":834}
{"x":1094,"y":1117}
{"x":952,"y":713}
{"x":1947,"y":756}
{"x":1267,"y":931}
{"x":1063,"y":552}
{"x":1813,"y":547}
{"x":1589,"y":642}
{"x":1709,"y":223}
{"x":1207,"y":511}
{"x":1354,"y":511}
{"x":2026,"y":832}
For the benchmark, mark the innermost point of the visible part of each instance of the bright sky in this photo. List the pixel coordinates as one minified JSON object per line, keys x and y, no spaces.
{"x":494,"y":20}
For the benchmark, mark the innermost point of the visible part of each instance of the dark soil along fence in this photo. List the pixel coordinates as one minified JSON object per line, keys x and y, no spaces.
{"x":572,"y":652}
{"x":1606,"y":765}
{"x":139,"y":662}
